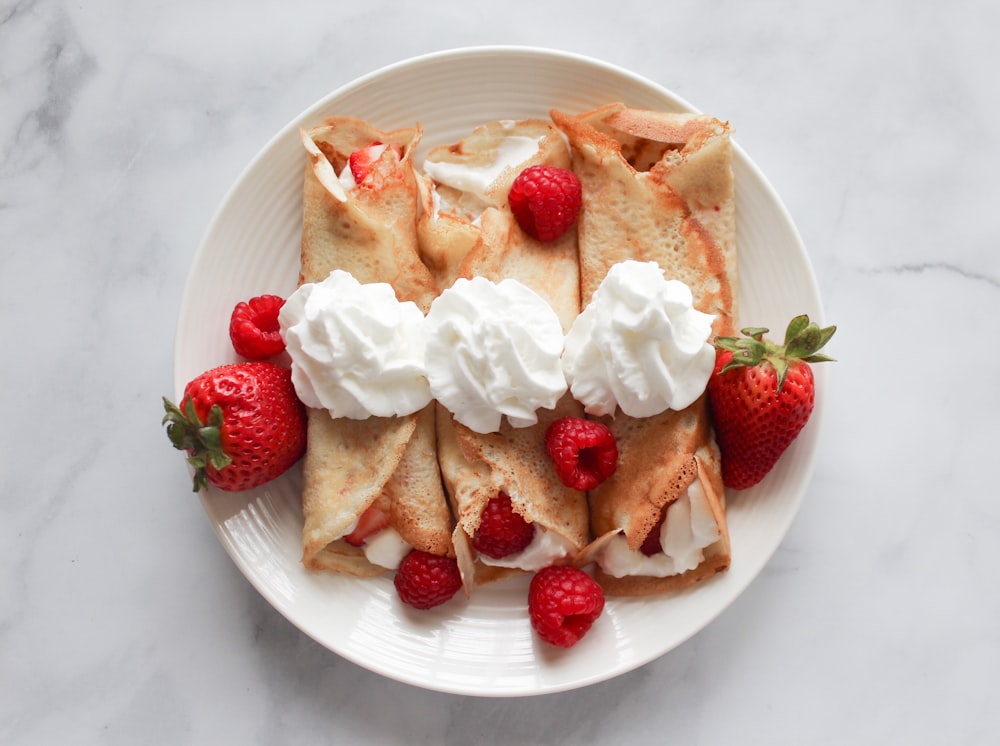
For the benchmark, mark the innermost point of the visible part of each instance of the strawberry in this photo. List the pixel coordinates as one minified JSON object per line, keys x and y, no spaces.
{"x":373,"y":520}
{"x":241,"y":424}
{"x":545,"y":201}
{"x":761,"y":395}
{"x":361,"y":161}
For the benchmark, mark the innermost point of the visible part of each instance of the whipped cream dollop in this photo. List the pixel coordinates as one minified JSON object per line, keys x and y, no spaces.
{"x":546,"y":548}
{"x":689,"y":527}
{"x":356,"y":350}
{"x":493,"y":350}
{"x":639,"y":344}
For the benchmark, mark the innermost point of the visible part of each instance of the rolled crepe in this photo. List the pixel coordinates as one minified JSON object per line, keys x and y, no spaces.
{"x":467,"y":230}
{"x":658,"y":187}
{"x":389,"y":463}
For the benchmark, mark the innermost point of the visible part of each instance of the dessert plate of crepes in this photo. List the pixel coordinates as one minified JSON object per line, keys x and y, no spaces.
{"x":662,"y":182}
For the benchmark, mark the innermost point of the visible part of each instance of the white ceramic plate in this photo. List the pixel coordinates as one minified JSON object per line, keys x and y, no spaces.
{"x":483,"y":646}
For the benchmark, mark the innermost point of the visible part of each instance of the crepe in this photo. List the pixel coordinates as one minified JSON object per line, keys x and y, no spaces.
{"x":389,"y":463}
{"x":468,"y":233}
{"x":658,"y":187}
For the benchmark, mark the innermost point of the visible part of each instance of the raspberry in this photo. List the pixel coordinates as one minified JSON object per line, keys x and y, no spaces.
{"x":563,"y":602}
{"x":502,"y":531}
{"x":425,"y":580}
{"x":545,"y":201}
{"x":583,"y":452}
{"x":253,"y":327}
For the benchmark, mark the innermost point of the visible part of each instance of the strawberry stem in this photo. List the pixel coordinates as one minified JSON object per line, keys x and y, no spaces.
{"x":201,"y":440}
{"x":803,"y":341}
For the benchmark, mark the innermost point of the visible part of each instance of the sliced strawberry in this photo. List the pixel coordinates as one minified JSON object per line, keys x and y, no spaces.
{"x":361,"y":161}
{"x":371,"y":522}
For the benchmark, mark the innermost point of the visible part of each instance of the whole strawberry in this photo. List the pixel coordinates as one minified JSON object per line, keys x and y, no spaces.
{"x":241,"y":424}
{"x":761,"y":396}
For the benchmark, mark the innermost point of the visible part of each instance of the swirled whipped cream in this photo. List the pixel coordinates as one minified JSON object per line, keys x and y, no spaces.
{"x":492,"y":351}
{"x":356,"y":350}
{"x":546,"y":547}
{"x":639,"y":344}
{"x":688,"y":529}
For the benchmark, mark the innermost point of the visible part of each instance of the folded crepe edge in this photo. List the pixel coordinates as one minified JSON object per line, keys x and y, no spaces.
{"x":693,"y":177}
{"x":473,"y":474}
{"x":717,"y":556}
{"x":407,"y":138}
{"x":414,"y":512}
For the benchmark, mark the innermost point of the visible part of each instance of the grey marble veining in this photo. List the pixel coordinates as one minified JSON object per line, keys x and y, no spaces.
{"x":122,"y":619}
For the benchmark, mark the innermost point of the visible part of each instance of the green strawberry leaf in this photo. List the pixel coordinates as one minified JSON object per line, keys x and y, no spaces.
{"x":201,"y":440}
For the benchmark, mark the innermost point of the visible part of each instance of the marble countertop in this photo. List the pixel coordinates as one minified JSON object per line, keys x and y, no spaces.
{"x":123,"y":620}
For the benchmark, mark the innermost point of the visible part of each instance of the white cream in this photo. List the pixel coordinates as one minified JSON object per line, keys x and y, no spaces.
{"x":356,"y":350}
{"x":477,"y":180}
{"x":546,"y":548}
{"x":688,"y":529}
{"x":386,"y":548}
{"x":346,"y":178}
{"x":639,"y":344}
{"x":492,"y":352}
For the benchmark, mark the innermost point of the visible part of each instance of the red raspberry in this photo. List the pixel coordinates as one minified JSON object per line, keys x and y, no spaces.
{"x":583,"y":452}
{"x":425,"y":580}
{"x":253,"y":327}
{"x":545,"y":201}
{"x":563,"y":602}
{"x":502,"y":531}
